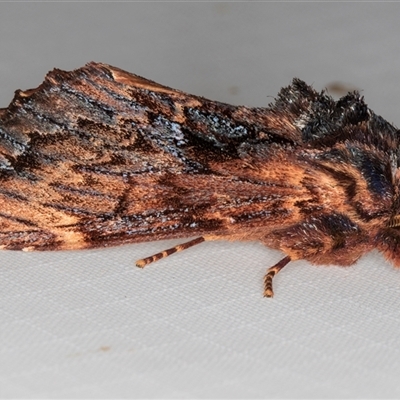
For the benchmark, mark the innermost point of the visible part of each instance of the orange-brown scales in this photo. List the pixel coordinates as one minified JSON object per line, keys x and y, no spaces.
{"x":100,"y":157}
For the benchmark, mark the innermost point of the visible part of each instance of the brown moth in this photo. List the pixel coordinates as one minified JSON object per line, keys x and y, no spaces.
{"x":100,"y":157}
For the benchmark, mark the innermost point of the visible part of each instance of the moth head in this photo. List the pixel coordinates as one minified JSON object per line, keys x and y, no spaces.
{"x":388,"y":240}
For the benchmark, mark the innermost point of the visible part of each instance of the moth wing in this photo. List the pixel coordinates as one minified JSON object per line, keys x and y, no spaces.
{"x":99,"y":156}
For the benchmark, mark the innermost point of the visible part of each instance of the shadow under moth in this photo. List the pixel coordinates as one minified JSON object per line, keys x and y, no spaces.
{"x":100,"y":157}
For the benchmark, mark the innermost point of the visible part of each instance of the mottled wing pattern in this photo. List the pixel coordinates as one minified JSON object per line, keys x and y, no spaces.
{"x":98,"y":156}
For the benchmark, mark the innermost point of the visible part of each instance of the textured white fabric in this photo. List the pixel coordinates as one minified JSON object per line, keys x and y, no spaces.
{"x":195,"y":325}
{"x":90,"y":324}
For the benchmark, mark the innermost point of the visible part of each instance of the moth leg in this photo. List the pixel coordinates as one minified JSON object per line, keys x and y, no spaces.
{"x":144,"y":261}
{"x":271,"y":272}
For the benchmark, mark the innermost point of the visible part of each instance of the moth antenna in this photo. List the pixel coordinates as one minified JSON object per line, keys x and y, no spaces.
{"x":271,"y":272}
{"x":394,"y":222}
{"x":144,"y":261}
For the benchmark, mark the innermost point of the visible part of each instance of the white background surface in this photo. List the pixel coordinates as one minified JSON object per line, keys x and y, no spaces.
{"x":89,"y":324}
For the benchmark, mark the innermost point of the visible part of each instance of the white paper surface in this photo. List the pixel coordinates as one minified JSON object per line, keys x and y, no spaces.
{"x":195,"y":325}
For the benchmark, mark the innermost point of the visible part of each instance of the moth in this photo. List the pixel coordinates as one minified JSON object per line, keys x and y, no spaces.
{"x":100,"y":157}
